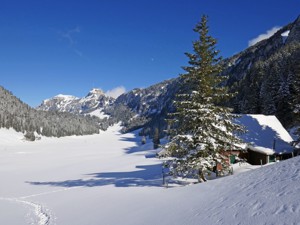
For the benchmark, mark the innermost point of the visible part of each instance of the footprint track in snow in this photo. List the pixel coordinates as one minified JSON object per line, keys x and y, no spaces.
{"x":41,"y":215}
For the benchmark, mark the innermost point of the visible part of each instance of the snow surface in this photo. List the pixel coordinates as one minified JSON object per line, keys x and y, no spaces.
{"x":261,"y":132}
{"x":108,"y":179}
{"x":98,"y":113}
{"x":9,"y":137}
{"x":285,"y":35}
{"x":66,"y":97}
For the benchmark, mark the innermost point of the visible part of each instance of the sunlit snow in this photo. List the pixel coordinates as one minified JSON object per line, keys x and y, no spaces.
{"x":107,"y":179}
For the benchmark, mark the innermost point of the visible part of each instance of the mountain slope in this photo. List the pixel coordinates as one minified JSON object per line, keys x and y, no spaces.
{"x":152,"y":100}
{"x":266,"y":76}
{"x":153,"y":103}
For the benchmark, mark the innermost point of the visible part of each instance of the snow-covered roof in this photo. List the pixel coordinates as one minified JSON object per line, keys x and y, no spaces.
{"x":263,"y":131}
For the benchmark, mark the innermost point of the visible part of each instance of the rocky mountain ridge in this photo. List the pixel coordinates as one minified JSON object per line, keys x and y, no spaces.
{"x":95,"y":99}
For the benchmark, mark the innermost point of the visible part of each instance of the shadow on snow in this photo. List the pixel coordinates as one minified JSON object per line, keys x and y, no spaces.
{"x":149,"y":176}
{"x":138,"y":144}
{"x":144,"y":176}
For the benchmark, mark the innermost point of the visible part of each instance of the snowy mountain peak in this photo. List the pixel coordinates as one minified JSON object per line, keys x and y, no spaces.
{"x":58,"y":99}
{"x":95,"y":92}
{"x":95,"y":99}
{"x":65,"y":97}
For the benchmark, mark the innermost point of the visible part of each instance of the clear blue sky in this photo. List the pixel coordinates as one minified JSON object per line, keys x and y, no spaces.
{"x":50,"y":47}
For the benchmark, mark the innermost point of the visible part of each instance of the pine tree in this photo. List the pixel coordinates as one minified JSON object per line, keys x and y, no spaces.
{"x":202,"y":127}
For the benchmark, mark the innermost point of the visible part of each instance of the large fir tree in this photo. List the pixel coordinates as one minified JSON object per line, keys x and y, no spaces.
{"x":202,"y":128}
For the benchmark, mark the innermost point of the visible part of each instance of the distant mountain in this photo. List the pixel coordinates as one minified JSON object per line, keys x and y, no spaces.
{"x":140,"y":108}
{"x":152,"y":100}
{"x":152,"y":103}
{"x":95,"y":99}
{"x":18,"y":115}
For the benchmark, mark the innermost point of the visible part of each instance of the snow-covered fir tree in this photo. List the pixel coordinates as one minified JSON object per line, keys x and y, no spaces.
{"x":202,"y":128}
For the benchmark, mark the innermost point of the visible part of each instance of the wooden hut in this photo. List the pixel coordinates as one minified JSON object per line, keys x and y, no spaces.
{"x":266,"y":139}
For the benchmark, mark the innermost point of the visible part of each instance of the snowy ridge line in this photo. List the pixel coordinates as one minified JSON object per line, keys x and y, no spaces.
{"x":43,"y":217}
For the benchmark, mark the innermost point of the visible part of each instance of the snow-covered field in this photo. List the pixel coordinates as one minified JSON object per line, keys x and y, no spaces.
{"x":106,"y":179}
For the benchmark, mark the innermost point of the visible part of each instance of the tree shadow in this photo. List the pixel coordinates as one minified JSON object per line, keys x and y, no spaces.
{"x":139,"y":147}
{"x":146,"y":176}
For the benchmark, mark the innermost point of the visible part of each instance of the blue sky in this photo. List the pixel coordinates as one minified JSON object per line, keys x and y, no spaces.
{"x":50,"y":47}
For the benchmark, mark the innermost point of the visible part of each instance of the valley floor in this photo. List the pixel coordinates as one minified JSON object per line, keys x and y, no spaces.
{"x":106,"y":179}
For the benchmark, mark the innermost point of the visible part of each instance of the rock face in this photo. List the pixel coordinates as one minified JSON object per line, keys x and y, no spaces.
{"x":152,"y":100}
{"x":95,"y":99}
{"x":153,"y":104}
{"x":60,"y":102}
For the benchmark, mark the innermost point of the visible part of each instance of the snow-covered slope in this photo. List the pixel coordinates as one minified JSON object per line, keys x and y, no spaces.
{"x":151,"y":100}
{"x":106,"y":179}
{"x":95,"y":99}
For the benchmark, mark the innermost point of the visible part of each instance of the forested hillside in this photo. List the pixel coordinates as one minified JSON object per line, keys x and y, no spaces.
{"x":18,"y":115}
{"x":266,"y":76}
